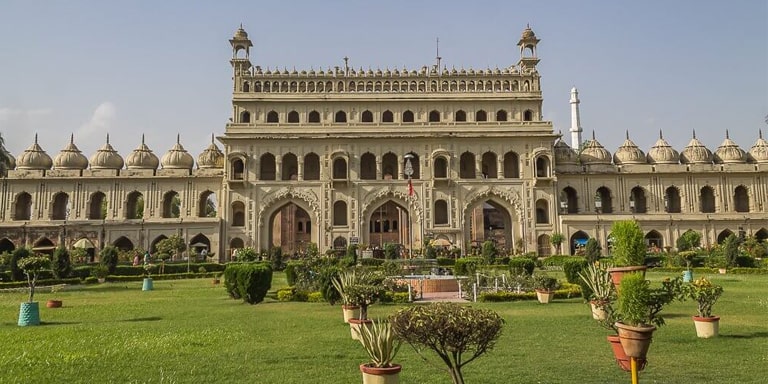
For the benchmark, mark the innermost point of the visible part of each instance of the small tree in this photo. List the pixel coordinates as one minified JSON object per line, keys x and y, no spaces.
{"x":276,"y":258}
{"x":312,"y":250}
{"x":449,"y":329}
{"x":628,"y":243}
{"x":62,"y":266}
{"x":390,"y":251}
{"x":108,"y":257}
{"x":731,"y":249}
{"x":489,"y":251}
{"x":173,"y":245}
{"x":32,"y":266}
{"x":688,"y":241}
{"x":19,"y":253}
{"x":352,"y":253}
{"x":592,"y":250}
{"x":557,"y":240}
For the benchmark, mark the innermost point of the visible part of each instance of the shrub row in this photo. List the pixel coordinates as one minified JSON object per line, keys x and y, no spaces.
{"x":40,"y":283}
{"x":370,"y":262}
{"x":167,"y":276}
{"x":446,"y":261}
{"x":248,"y":281}
{"x":467,"y":265}
{"x":521,"y":265}
{"x":556,"y":262}
{"x":567,"y":291}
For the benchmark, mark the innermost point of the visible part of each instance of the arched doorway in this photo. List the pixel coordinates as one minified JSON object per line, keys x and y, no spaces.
{"x":388,"y":224}
{"x":762,"y":234}
{"x":198,"y":244}
{"x":124,"y":244}
{"x":153,"y":245}
{"x":578,"y":241}
{"x":654,"y":241}
{"x":44,"y":246}
{"x":723,"y":235}
{"x":290,"y":229}
{"x":7,"y":245}
{"x":489,"y":219}
{"x":544,"y":246}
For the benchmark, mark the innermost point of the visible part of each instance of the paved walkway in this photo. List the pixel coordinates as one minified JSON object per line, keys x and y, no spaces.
{"x":432,"y":297}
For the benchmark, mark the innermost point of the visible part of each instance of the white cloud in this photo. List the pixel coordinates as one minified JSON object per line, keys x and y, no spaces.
{"x":101,"y":121}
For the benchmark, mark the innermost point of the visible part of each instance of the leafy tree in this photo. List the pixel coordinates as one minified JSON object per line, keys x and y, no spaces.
{"x":173,"y":245}
{"x":79,"y":255}
{"x":62,"y":266}
{"x":628,"y":243}
{"x":312,"y":250}
{"x":109,"y":257}
{"x":489,"y":251}
{"x":754,"y":247}
{"x":688,"y":241}
{"x":247,"y":254}
{"x":19,"y":253}
{"x":390,"y":251}
{"x":450,"y":330}
{"x":731,"y":249}
{"x":5,"y":157}
{"x":32,"y":266}
{"x":592,"y":250}
{"x":557,"y":239}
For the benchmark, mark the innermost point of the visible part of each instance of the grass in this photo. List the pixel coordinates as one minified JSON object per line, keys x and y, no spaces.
{"x":187,"y":331}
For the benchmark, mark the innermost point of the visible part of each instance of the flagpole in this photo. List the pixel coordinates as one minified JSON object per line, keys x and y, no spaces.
{"x":409,"y":172}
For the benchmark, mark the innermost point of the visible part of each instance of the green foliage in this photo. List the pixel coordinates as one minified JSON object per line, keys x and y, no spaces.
{"x":689,"y":241}
{"x":325,"y":279}
{"x":745,"y":261}
{"x":489,"y":251}
{"x":370,"y":262}
{"x":705,"y":294}
{"x":567,"y":291}
{"x":755,"y":248}
{"x":391,"y":269}
{"x":430,"y":252}
{"x":390,"y":251}
{"x":592,"y":250}
{"x":249,"y":281}
{"x":731,"y":250}
{"x":450,"y":330}
{"x":364,"y":293}
{"x":19,"y":253}
{"x":173,"y":245}
{"x":596,"y":283}
{"x":291,"y":274}
{"x":467,"y":265}
{"x":639,"y":304}
{"x":78,"y":255}
{"x":572,"y":267}
{"x":628,"y":243}
{"x":380,"y":342}
{"x":246,"y":254}
{"x":352,"y":253}
{"x":108,"y":258}
{"x":521,"y":266}
{"x":276,"y":258}
{"x":557,"y":239}
{"x":542,"y":282}
{"x":445,"y":261}
{"x":62,"y":267}
{"x":312,"y":250}
{"x":32,"y":266}
{"x":100,"y":271}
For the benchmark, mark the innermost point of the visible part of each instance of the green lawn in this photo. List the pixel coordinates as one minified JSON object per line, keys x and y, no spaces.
{"x":187,"y":331}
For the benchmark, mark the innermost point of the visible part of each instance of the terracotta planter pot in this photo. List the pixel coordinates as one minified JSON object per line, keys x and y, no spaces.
{"x":707,"y":327}
{"x":373,"y":375}
{"x":635,"y":340}
{"x":53,"y":304}
{"x":356,"y":324}
{"x":617,"y":273}
{"x":545,"y":297}
{"x":598,"y":313}
{"x":621,"y":358}
{"x":350,"y":312}
{"x":216,"y":281}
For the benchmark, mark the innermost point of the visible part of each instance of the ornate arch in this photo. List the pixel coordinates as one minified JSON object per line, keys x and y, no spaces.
{"x":308,"y":197}
{"x":374,"y":199}
{"x":512,"y":198}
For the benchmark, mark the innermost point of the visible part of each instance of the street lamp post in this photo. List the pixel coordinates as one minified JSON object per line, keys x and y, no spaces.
{"x":598,"y":203}
{"x":632,"y":203}
{"x":409,"y":172}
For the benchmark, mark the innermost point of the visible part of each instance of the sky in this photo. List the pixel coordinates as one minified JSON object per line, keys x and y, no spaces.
{"x":161,"y":68}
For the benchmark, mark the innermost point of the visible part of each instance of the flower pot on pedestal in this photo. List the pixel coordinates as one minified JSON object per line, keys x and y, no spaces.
{"x":373,"y":375}
{"x":621,"y":358}
{"x":635,"y":340}
{"x":29,"y":314}
{"x":687,"y":276}
{"x":356,"y":324}
{"x":617,"y":273}
{"x":350,"y":312}
{"x":707,"y":327}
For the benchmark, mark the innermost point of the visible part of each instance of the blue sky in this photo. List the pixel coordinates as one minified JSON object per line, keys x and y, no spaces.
{"x":161,"y":67}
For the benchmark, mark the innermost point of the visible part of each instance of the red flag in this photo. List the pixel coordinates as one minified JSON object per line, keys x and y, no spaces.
{"x":410,"y":187}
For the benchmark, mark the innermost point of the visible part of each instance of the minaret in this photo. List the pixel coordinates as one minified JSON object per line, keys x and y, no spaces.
{"x":575,"y":120}
{"x":241,"y":51}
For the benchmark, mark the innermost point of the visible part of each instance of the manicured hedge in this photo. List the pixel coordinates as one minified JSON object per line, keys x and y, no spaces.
{"x":556,"y":262}
{"x":467,"y":265}
{"x":166,"y":276}
{"x":371,"y":262}
{"x":249,"y":281}
{"x":567,"y":291}
{"x":521,"y":265}
{"x":572,"y":267}
{"x":446,"y":261}
{"x":40,"y":283}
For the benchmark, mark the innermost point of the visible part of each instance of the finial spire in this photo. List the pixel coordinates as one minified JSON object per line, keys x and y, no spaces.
{"x":212,"y":138}
{"x":727,"y":135}
{"x":107,"y":138}
{"x":142,"y":139}
{"x":760,"y":133}
{"x":35,"y":138}
{"x":72,"y":138}
{"x":627,"y":133}
{"x":661,"y":135}
{"x":593,"y":134}
{"x":178,"y":138}
{"x":694,"y":133}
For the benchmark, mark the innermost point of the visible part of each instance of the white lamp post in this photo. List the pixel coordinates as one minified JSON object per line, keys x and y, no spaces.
{"x":409,"y":172}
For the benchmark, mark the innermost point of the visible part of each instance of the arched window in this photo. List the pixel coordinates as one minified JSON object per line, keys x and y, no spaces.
{"x":171,"y":205}
{"x":467,"y":166}
{"x":604,"y":200}
{"x":290,"y":167}
{"x":272,"y":117}
{"x":311,"y":166}
{"x":654,"y":240}
{"x":314,"y":117}
{"x":389,"y":170}
{"x":246,"y":87}
{"x":339,"y":169}
{"x":238,"y":169}
{"x":481,"y":116}
{"x":542,"y":166}
{"x":501,"y":115}
{"x":23,"y":206}
{"x":542,"y":211}
{"x":60,"y":206}
{"x":511,"y":165}
{"x":238,"y":214}
{"x":724,"y":235}
{"x":368,"y":166}
{"x":123,"y":243}
{"x":97,"y":207}
{"x":387,"y":117}
{"x":207,"y":204}
{"x":741,"y":199}
{"x":571,"y":200}
{"x":134,"y":205}
{"x":489,"y":165}
{"x":461,"y":116}
{"x":341,"y":117}
{"x":441,"y":212}
{"x":340,"y":213}
{"x":434,"y":116}
{"x":367,"y":117}
{"x":528,"y":115}
{"x":707,"y":200}
{"x":267,"y":167}
{"x":245,"y":117}
{"x":340,"y":243}
{"x":293,"y":117}
{"x":672,"y":200}
{"x":407,"y":117}
{"x":441,"y":168}
{"x":637,"y":200}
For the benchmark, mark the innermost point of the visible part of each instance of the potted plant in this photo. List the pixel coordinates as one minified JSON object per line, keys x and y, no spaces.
{"x":545,"y":287}
{"x":217,"y":278}
{"x":100,"y":272}
{"x":687,"y":258}
{"x":148,"y":283}
{"x":364,"y":294}
{"x":600,"y":286}
{"x":705,"y":294}
{"x":629,"y":250}
{"x":345,"y":279}
{"x":381,"y":343}
{"x":29,"y":312}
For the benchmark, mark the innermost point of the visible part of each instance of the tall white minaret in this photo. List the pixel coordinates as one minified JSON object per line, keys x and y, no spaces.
{"x":575,"y":120}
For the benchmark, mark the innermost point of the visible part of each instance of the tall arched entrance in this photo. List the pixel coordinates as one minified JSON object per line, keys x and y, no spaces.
{"x":389,"y":223}
{"x":290,"y":228}
{"x":489,"y":219}
{"x":578,"y":241}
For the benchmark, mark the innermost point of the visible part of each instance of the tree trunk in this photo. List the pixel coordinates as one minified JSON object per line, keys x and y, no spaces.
{"x":456,"y":375}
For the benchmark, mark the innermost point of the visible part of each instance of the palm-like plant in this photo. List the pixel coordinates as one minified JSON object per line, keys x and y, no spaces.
{"x":599,"y":282}
{"x":381,"y":343}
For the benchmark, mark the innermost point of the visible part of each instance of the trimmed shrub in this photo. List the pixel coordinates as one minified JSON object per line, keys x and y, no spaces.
{"x":325,"y":277}
{"x":370,"y":262}
{"x":315,"y":297}
{"x":489,"y":251}
{"x":249,"y":281}
{"x":61,"y":265}
{"x":745,"y":261}
{"x":108,"y":257}
{"x":572,"y":267}
{"x":521,"y":265}
{"x":556,"y":262}
{"x":172,"y":276}
{"x":390,"y":251}
{"x":16,"y":273}
{"x":82,"y":272}
{"x":90,"y":280}
{"x":40,"y":283}
{"x":566,"y":291}
{"x":467,"y":265}
{"x":290,"y":272}
{"x":445,"y":261}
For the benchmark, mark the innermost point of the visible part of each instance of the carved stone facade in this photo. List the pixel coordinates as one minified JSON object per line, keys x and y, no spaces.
{"x":339,"y":156}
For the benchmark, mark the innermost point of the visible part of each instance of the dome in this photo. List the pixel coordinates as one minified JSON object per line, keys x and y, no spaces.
{"x":106,"y":158}
{"x":759,"y":152}
{"x":142,"y":158}
{"x":629,"y":153}
{"x":663,"y":153}
{"x":70,"y":157}
{"x":564,"y":154}
{"x":177,"y":158}
{"x":212,"y":157}
{"x":241,"y":34}
{"x":528,"y":34}
{"x":696,"y":153}
{"x":594,"y":153}
{"x":729,"y":152}
{"x":34,"y":157}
